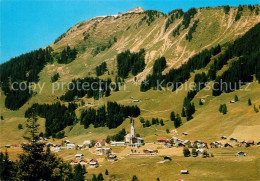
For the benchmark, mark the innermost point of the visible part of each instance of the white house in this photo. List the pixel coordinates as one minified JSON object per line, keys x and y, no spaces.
{"x":103,"y":151}
{"x":117,"y":143}
{"x":93,"y":163}
{"x":57,"y":149}
{"x":241,"y":154}
{"x":79,"y":156}
{"x":184,"y":172}
{"x":70,"y":146}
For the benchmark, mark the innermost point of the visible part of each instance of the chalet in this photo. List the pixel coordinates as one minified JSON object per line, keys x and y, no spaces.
{"x":100,"y":143}
{"x":223,"y":137}
{"x":70,"y":146}
{"x":200,"y":144}
{"x":175,"y":139}
{"x":117,"y":143}
{"x":135,"y":100}
{"x":241,"y":154}
{"x":103,"y":151}
{"x":243,"y":144}
{"x":216,"y":144}
{"x":7,"y":146}
{"x":80,"y":146}
{"x":74,"y":162}
{"x":187,"y":143}
{"x":112,"y":157}
{"x":161,"y":139}
{"x":148,"y":151}
{"x":227,"y":145}
{"x":167,"y":158}
{"x":15,"y":145}
{"x":180,"y":144}
{"x":234,"y":140}
{"x":67,"y":141}
{"x":93,"y":163}
{"x":57,"y":149}
{"x":232,"y":102}
{"x":250,"y":142}
{"x":199,"y":151}
{"x":79,"y":156}
{"x":83,"y":162}
{"x":258,"y":143}
{"x":184,"y":133}
{"x":86,"y":143}
{"x":184,"y":172}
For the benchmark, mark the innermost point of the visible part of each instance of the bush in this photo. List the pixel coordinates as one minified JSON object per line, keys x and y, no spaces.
{"x":20,"y":126}
{"x":186,"y":152}
{"x":249,"y":102}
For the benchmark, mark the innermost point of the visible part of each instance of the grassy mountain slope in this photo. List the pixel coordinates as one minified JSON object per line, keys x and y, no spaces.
{"x":214,"y":27}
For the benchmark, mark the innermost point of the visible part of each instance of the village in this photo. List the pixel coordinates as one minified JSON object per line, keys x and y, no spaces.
{"x":95,"y":153}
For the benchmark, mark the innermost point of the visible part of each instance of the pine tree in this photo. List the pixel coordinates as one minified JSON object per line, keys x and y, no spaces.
{"x":249,"y":102}
{"x":134,"y":178}
{"x":186,"y":152}
{"x":220,"y":108}
{"x":224,"y":109}
{"x":7,"y":168}
{"x":79,"y":173}
{"x":172,"y":116}
{"x":100,"y":177}
{"x":36,"y":164}
{"x":106,"y":172}
{"x":177,"y":122}
{"x":236,"y":98}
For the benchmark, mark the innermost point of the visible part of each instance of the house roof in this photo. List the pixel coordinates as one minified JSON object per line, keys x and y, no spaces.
{"x":250,"y":141}
{"x":74,"y":161}
{"x":93,"y":160}
{"x":100,"y":141}
{"x":161,"y":139}
{"x":79,"y":154}
{"x":84,"y":160}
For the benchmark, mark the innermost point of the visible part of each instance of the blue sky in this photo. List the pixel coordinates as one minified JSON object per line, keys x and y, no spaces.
{"x":31,"y":24}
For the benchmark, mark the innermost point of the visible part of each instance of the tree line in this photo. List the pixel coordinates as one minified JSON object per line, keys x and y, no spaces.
{"x":192,"y":30}
{"x":127,"y":61}
{"x":24,"y":68}
{"x":101,"y":69}
{"x":67,"y":55}
{"x":187,"y":16}
{"x":92,"y":87}
{"x":242,"y":70}
{"x":182,"y":74}
{"x":175,"y":14}
{"x":57,"y":116}
{"x":111,"y":116}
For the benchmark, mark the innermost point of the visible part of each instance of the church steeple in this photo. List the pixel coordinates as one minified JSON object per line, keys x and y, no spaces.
{"x":132,"y":128}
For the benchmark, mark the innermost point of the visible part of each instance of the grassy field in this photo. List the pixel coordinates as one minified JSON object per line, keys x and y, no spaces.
{"x":220,"y":167}
{"x":208,"y":123}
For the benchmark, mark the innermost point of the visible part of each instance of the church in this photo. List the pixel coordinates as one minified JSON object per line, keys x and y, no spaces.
{"x":131,"y":138}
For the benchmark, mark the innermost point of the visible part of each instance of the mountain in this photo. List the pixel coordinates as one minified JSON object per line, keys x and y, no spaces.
{"x":177,"y":36}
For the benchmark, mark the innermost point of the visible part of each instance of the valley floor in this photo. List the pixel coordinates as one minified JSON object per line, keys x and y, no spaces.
{"x":223,"y":166}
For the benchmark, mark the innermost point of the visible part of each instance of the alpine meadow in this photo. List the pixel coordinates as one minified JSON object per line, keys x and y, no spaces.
{"x":140,"y":95}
